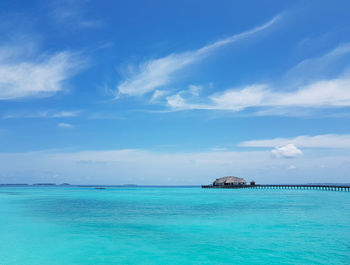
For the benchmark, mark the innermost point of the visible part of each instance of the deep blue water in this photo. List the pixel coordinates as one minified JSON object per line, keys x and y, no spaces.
{"x":76,"y":225}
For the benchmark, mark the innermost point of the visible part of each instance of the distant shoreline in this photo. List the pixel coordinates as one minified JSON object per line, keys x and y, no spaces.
{"x":99,"y":185}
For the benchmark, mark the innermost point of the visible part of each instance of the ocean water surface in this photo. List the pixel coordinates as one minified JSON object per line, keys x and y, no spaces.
{"x":83,"y":225}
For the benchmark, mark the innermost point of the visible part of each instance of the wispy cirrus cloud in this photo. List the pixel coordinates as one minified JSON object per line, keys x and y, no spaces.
{"x":65,"y":125}
{"x":313,"y":84}
{"x":63,"y":114}
{"x":159,"y":72}
{"x":39,"y":75}
{"x":325,"y":66}
{"x":320,"y":94}
{"x":316,"y":141}
{"x":43,"y":114}
{"x":73,"y":14}
{"x":158,"y":94}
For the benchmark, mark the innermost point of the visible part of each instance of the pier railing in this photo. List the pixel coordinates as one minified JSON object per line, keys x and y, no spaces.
{"x":283,"y":186}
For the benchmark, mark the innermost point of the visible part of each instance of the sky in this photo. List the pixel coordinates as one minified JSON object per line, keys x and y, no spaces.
{"x":174,"y":92}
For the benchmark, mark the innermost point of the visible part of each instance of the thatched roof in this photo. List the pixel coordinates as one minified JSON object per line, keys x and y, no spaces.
{"x":229,"y":180}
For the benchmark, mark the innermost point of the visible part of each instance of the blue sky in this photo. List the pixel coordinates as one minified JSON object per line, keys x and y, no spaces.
{"x":174,"y":92}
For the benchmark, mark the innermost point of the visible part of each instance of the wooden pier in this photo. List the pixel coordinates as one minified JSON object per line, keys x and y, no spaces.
{"x":282,"y":187}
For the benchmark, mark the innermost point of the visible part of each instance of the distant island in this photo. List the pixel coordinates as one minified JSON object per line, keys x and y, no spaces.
{"x":44,"y":184}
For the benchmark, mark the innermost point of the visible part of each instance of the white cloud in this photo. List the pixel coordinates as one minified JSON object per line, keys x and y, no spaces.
{"x":43,"y":114}
{"x":317,"y":141}
{"x":65,"y":125}
{"x":158,"y":94}
{"x":327,"y":93}
{"x":303,"y":91}
{"x":291,"y":167}
{"x":324,"y":66}
{"x":154,"y":74}
{"x":64,"y":114}
{"x":176,"y":101}
{"x":36,"y":78}
{"x":286,"y":151}
{"x":194,"y":90}
{"x":320,"y":94}
{"x":239,"y":99}
{"x":159,"y":72}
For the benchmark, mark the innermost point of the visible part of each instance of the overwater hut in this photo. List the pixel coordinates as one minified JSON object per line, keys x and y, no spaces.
{"x":229,"y":181}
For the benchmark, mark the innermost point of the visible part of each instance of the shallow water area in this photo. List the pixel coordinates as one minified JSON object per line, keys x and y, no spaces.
{"x":152,"y":225}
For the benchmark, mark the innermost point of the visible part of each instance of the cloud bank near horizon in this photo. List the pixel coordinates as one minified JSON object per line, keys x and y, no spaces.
{"x":341,"y":141}
{"x":178,"y":168}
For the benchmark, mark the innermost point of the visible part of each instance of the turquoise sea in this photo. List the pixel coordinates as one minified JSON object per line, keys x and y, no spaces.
{"x":144,"y":225}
